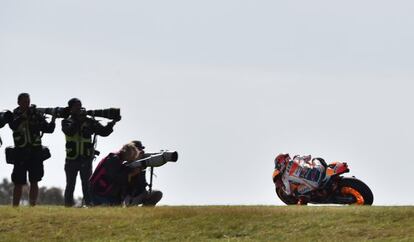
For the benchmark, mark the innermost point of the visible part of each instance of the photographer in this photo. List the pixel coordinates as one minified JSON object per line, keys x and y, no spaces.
{"x":111,"y":176}
{"x":137,"y":192}
{"x":28,"y":126}
{"x":80,"y":151}
{"x":113,"y":179}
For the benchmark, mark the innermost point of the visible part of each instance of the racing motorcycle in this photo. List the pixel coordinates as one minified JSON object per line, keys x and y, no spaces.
{"x":336,"y":189}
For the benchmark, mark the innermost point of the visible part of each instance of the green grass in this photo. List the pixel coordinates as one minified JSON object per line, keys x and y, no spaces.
{"x":210,"y":223}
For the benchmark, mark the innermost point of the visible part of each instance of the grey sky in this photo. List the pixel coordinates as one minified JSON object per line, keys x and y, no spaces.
{"x":229,"y":84}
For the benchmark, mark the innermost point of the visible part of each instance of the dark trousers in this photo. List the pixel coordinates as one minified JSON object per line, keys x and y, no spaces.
{"x":145,"y":198}
{"x":71,"y":169}
{"x":27,"y":160}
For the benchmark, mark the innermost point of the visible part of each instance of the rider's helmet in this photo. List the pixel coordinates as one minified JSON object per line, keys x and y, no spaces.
{"x":280,"y":164}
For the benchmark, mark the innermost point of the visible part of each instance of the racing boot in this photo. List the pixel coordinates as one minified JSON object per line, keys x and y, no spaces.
{"x":303,"y":200}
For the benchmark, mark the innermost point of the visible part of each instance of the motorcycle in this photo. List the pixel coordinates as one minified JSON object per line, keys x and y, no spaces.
{"x":336,"y":189}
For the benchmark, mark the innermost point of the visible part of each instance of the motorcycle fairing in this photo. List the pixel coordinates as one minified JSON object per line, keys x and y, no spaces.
{"x":337,"y":168}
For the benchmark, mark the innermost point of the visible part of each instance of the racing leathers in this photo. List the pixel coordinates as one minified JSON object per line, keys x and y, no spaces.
{"x":302,"y":175}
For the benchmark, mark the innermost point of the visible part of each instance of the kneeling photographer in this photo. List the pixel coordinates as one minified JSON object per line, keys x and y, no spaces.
{"x":137,"y":192}
{"x":116,"y":175}
{"x":80,"y":151}
{"x":111,"y":176}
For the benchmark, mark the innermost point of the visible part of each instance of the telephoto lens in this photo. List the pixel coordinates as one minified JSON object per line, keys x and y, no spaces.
{"x":155,"y":159}
{"x":109,"y":113}
{"x":58,"y":112}
{"x":170,"y":156}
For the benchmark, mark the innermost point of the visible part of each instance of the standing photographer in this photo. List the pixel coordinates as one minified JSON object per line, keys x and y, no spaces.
{"x":80,"y":151}
{"x":28,"y":125}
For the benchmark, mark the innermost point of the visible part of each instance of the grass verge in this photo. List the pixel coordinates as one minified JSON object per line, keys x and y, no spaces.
{"x":207,"y":223}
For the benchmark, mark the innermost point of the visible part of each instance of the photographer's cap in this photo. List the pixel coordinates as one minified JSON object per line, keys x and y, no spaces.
{"x":138,"y":144}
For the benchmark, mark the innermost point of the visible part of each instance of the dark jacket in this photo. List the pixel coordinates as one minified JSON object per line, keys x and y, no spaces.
{"x":78,"y":134}
{"x":28,"y":128}
{"x":138,"y":183}
{"x":110,"y":177}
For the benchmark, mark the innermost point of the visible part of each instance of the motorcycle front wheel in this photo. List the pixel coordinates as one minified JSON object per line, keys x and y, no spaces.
{"x":288,"y":200}
{"x":361,"y":193}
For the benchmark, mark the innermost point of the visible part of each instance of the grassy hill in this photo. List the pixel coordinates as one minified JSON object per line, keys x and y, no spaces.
{"x":225,"y":223}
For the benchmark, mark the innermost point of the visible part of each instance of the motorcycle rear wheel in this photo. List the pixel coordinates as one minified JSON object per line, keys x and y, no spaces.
{"x":358,"y":189}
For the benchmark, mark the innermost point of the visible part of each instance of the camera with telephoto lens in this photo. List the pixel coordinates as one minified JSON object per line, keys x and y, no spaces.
{"x":109,"y":113}
{"x":58,"y":112}
{"x":5,"y":117}
{"x":155,"y":159}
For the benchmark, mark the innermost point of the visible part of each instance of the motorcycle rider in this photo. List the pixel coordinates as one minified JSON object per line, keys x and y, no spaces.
{"x":299,"y":176}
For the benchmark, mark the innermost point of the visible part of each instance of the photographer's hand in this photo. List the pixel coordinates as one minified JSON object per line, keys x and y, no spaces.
{"x":133,"y":173}
{"x":32,"y":111}
{"x":82,"y":114}
{"x":53,"y":116}
{"x":112,"y":123}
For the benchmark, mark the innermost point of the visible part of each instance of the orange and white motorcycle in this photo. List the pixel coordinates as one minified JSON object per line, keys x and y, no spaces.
{"x":336,"y":189}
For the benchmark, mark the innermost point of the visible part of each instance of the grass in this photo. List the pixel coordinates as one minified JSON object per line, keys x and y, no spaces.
{"x":209,"y":223}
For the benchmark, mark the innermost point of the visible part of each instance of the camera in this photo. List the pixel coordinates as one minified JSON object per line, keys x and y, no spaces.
{"x":58,"y":112}
{"x":109,"y":113}
{"x":5,"y":117}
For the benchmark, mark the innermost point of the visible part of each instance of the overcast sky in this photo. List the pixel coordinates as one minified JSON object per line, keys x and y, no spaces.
{"x":229,"y":84}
